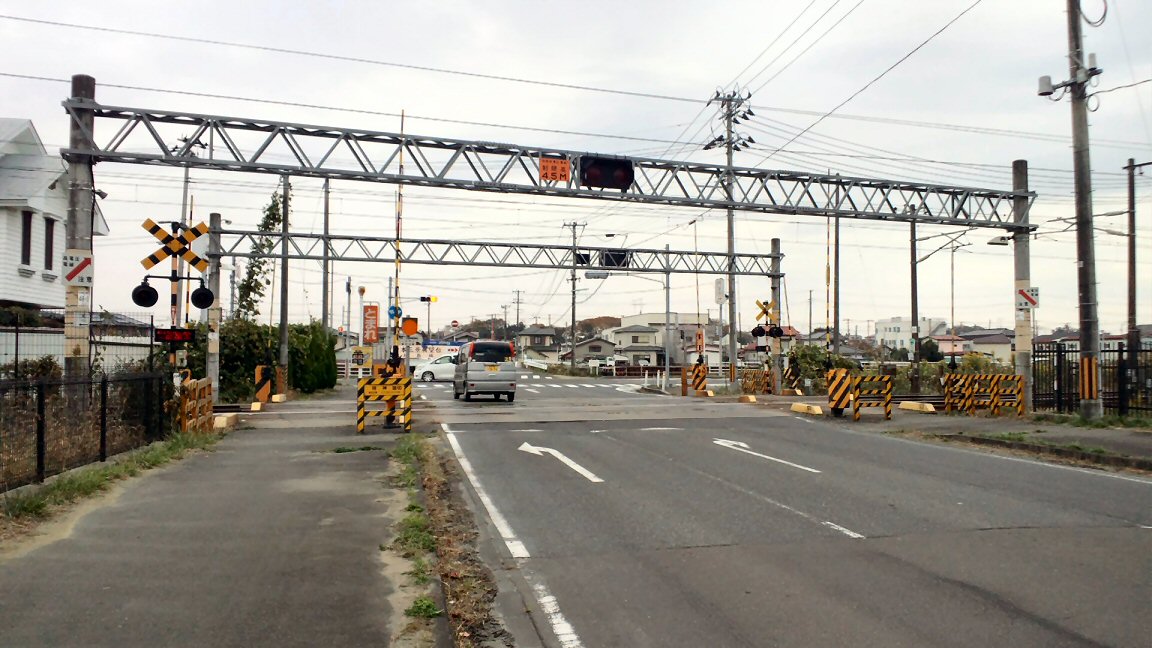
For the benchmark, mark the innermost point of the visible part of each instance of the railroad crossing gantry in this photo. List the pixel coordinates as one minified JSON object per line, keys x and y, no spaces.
{"x":293,"y":149}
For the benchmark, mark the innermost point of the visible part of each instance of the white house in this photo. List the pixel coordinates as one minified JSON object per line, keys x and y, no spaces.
{"x":638,"y":344}
{"x":33,"y":217}
{"x":896,"y":332}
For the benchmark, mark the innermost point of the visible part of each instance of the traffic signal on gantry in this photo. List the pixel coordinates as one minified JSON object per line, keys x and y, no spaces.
{"x":606,"y":173}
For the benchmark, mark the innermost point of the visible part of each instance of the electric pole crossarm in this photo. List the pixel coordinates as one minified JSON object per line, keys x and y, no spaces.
{"x":310,"y":246}
{"x":283,"y":148}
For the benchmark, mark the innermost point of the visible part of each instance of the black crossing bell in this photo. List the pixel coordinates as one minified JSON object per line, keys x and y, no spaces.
{"x":144,"y":295}
{"x":202,"y":297}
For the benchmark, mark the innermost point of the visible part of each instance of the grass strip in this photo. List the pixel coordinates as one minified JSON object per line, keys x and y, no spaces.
{"x":72,"y":486}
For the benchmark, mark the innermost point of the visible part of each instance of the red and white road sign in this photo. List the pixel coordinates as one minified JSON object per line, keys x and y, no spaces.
{"x":1027,"y":298}
{"x":78,"y":268}
{"x":455,"y":324}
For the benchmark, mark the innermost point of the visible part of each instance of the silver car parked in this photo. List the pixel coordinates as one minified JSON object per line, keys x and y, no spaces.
{"x":485,"y":367}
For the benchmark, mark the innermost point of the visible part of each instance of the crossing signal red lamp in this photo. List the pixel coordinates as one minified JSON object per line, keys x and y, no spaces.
{"x":144,"y":295}
{"x":606,"y":173}
{"x":202,"y":297}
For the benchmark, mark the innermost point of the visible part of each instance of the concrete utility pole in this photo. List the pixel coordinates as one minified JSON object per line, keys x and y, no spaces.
{"x":212,"y":358}
{"x":1022,"y":262}
{"x":777,"y":357}
{"x":517,"y":302}
{"x":78,"y":298}
{"x":572,"y":361}
{"x":667,"y":320}
{"x":284,"y":276}
{"x":1091,"y":406}
{"x":836,"y":279}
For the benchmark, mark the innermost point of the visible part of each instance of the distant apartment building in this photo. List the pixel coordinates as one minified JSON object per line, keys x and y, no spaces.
{"x":896,"y":333}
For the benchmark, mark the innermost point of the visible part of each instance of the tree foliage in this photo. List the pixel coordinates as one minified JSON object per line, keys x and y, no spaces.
{"x":250,"y":289}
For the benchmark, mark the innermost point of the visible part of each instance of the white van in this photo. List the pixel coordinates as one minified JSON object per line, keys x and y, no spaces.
{"x":485,"y":367}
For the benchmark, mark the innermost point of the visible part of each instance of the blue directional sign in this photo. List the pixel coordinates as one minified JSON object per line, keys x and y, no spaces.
{"x":394,"y":312}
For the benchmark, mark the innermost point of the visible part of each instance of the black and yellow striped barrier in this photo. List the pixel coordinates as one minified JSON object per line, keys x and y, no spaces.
{"x":700,"y":377}
{"x":757,"y":381}
{"x":396,"y":394}
{"x":263,"y":383}
{"x":791,"y":377}
{"x":1008,"y":394}
{"x":1089,"y":378}
{"x":979,"y":391}
{"x":872,"y":391}
{"x":839,"y":390}
{"x":954,"y":386}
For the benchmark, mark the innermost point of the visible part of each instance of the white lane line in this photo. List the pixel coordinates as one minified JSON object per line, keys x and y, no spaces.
{"x":658,"y":429}
{"x":740,"y":446}
{"x":847,"y":532}
{"x":801,"y":418}
{"x":527,"y":430}
{"x":538,"y":385}
{"x":574,"y":386}
{"x":535,"y":377}
{"x":517,"y":548}
{"x":423,"y":397}
{"x":588,"y":386}
{"x":557,"y":386}
{"x":564,"y":631}
{"x":534,"y":391}
{"x":751,"y":493}
{"x":548,"y":378}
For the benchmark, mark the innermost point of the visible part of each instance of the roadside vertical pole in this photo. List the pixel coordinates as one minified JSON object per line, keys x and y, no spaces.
{"x":1090,"y":405}
{"x":81,"y":205}
{"x":212,"y":358}
{"x":914,"y":376}
{"x":836,"y":278}
{"x":1021,"y":239}
{"x":104,"y":417}
{"x":730,"y":102}
{"x":667,"y":319}
{"x":777,"y":357}
{"x":284,"y":277}
{"x":324,"y":273}
{"x":41,"y":444}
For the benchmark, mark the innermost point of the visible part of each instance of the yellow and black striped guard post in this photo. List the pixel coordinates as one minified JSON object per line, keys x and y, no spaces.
{"x":263,"y":383}
{"x":700,"y":377}
{"x":872,"y":391}
{"x":394,"y":391}
{"x":180,"y":245}
{"x":839,"y":390}
{"x":1008,"y":394}
{"x":1089,"y":376}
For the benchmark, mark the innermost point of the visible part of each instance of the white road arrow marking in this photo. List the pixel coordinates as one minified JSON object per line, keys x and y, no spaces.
{"x":538,"y":451}
{"x":740,"y":446}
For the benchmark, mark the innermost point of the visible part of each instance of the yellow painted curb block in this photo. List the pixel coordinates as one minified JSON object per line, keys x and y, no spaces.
{"x":705,"y":393}
{"x":257,"y":406}
{"x":926,"y":408}
{"x":279,"y":398}
{"x":224,"y":421}
{"x":747,"y":398}
{"x":805,"y":408}
{"x":799,"y":392}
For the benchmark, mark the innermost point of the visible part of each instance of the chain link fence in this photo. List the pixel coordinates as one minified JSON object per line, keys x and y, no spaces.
{"x":33,"y":342}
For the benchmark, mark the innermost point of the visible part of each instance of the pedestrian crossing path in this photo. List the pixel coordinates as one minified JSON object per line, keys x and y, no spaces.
{"x":560,"y":386}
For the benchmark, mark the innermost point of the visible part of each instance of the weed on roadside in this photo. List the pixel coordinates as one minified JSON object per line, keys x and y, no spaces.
{"x":79,"y":484}
{"x":344,"y":449}
{"x":424,"y":608}
{"x":421,"y":573}
{"x":413,"y":537}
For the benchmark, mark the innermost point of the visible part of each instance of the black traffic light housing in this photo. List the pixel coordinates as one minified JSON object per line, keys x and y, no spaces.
{"x":606,"y":173}
{"x":144,"y":295}
{"x":759,"y":331}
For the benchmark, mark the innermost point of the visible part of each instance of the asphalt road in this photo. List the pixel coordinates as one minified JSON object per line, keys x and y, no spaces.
{"x":654,"y":526}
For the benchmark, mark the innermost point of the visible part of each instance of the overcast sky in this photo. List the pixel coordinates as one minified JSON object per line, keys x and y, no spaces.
{"x":971,"y":90}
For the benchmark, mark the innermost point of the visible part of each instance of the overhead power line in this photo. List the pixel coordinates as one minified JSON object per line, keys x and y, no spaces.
{"x":349,"y":59}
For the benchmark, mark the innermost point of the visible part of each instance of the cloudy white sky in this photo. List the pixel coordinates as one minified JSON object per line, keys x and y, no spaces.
{"x":966,"y":101}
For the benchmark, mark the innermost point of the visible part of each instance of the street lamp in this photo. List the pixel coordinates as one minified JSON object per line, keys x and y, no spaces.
{"x":951,"y":290}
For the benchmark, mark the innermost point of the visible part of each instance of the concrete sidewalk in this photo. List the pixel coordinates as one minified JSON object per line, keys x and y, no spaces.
{"x":270,"y":540}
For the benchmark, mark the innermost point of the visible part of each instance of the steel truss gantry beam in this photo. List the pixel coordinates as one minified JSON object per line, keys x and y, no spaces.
{"x":240,"y":243}
{"x":283,"y":148}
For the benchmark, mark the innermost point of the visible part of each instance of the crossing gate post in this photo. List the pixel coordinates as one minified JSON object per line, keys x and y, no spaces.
{"x":700,"y":377}
{"x":396,"y":394}
{"x":872,"y":391}
{"x":684,"y":381}
{"x":1008,"y":394}
{"x":839,"y":390}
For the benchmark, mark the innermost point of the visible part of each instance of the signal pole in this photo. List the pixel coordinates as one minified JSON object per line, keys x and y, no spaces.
{"x":517,"y":302}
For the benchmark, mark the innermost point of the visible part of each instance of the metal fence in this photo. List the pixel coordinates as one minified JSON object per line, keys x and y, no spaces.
{"x":32,"y":342}
{"x":50,"y":426}
{"x":1125,"y":380}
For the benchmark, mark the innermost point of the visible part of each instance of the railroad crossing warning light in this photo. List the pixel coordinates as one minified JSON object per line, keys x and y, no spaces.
{"x":202,"y":297}
{"x":144,"y":295}
{"x":606,"y":173}
{"x":759,"y":331}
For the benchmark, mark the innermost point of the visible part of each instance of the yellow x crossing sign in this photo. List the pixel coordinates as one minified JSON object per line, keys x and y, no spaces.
{"x":767,"y":310}
{"x":179,"y":245}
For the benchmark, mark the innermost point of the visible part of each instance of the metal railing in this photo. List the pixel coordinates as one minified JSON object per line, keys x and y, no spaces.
{"x":1125,"y":380}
